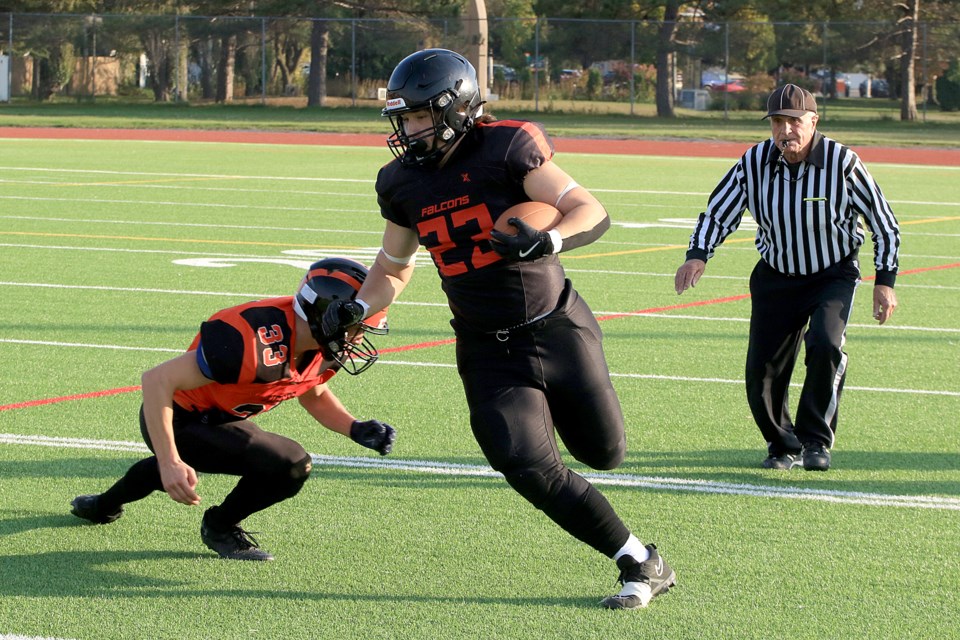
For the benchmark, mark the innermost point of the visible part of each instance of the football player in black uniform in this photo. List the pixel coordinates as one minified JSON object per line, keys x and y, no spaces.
{"x":246,"y":360}
{"x":529,"y":349}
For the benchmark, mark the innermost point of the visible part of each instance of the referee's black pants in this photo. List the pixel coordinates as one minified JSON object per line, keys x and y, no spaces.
{"x":788,"y":311}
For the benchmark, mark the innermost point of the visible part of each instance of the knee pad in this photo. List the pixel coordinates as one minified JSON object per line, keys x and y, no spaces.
{"x":601,"y":455}
{"x":300,"y":470}
{"x":292,"y":480}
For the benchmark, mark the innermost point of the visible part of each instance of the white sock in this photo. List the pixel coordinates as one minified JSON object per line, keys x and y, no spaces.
{"x":633,"y":547}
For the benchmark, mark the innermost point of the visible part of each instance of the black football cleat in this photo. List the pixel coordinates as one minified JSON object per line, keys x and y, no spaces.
{"x":783,"y":461}
{"x":642,"y":581}
{"x":88,"y":508}
{"x":232,"y":544}
{"x":816,"y":457}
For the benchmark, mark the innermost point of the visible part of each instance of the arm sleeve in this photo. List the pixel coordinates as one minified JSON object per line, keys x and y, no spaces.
{"x":586,"y":237}
{"x":868,"y":201}
{"x":724,"y":212}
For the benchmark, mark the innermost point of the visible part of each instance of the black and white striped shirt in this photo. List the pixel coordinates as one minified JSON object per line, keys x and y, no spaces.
{"x":808,"y":216}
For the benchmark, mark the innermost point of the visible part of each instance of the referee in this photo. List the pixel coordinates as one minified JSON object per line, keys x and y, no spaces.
{"x":807,"y":194}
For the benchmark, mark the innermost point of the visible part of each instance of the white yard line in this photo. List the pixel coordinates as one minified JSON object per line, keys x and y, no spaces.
{"x":614,"y":479}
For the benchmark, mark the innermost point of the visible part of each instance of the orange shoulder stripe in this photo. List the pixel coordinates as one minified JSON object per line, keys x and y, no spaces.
{"x":532,"y":130}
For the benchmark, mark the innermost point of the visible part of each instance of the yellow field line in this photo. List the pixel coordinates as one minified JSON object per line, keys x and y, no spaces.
{"x":674,"y":247}
{"x":929,"y":220}
{"x":670,"y":247}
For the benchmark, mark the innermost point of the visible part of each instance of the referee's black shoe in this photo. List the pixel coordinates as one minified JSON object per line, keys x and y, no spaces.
{"x":88,"y":508}
{"x":642,"y":581}
{"x":816,"y":457}
{"x":784,"y":461}
{"x":232,"y":543}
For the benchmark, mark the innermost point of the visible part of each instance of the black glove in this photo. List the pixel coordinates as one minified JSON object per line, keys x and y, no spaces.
{"x":528,"y":244}
{"x":373,"y":434}
{"x":338,"y":315}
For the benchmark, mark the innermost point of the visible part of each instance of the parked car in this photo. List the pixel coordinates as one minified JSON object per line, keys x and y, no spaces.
{"x":831,"y":83}
{"x":879,"y":88}
{"x":507,"y":74}
{"x":712,"y":77}
{"x":730,"y":87}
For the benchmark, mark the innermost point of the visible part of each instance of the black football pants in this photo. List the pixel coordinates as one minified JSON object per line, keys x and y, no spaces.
{"x":788,"y":311}
{"x":549,"y":376}
{"x":271,"y":467}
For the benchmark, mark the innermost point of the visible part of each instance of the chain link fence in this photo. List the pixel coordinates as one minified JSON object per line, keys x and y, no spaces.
{"x":269,"y":59}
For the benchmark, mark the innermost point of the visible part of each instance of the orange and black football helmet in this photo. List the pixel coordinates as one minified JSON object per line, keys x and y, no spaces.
{"x":339,"y":279}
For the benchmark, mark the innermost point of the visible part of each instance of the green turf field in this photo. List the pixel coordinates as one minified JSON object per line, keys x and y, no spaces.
{"x":112,"y":253}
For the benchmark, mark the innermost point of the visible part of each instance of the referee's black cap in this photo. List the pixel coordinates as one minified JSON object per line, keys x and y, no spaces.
{"x":790,"y":100}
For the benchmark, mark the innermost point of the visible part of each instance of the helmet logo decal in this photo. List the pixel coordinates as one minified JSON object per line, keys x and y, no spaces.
{"x":396,"y":103}
{"x":308,"y":294}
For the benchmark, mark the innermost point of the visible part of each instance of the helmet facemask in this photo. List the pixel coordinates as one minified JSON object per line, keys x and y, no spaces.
{"x":426,"y":146}
{"x":439,"y":81}
{"x":357,"y":353}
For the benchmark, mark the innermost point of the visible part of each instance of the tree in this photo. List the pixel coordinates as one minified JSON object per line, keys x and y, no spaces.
{"x":289,"y":39}
{"x":512,"y":25}
{"x":319,"y":46}
{"x":666,"y":87}
{"x":151,"y":25}
{"x":948,"y":87}
{"x":908,"y":24}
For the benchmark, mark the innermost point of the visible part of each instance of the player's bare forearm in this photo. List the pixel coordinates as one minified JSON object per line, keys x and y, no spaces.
{"x":326,"y":408}
{"x":159,"y":384}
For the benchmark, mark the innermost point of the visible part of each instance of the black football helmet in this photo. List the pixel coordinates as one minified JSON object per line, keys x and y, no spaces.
{"x":339,"y":279}
{"x":444,"y":82}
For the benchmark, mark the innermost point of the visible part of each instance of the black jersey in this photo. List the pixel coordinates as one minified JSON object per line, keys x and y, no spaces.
{"x":453,"y":209}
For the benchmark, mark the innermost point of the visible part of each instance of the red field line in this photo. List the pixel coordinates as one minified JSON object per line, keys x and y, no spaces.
{"x":674,"y":307}
{"x":79,"y":396}
{"x":409,"y":347}
{"x":699,"y":149}
{"x":939,"y":267}
{"x":440,"y":343}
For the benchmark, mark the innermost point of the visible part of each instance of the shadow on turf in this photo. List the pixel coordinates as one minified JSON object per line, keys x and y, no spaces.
{"x":82,"y":573}
{"x":13,"y":525}
{"x":739,"y":465}
{"x":107,"y":469}
{"x":843,"y":459}
{"x":99,"y":573}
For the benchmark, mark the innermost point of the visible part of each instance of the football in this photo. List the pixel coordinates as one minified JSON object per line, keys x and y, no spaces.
{"x":539,"y":215}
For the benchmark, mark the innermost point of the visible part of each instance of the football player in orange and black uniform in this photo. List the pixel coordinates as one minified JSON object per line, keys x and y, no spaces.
{"x":246,"y":360}
{"x":529,"y":350}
